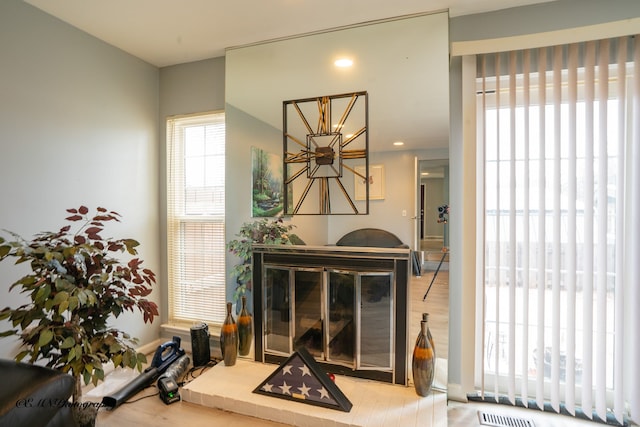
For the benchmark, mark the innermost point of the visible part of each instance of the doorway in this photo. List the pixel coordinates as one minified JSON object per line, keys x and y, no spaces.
{"x":433,"y":195}
{"x":430,"y":290}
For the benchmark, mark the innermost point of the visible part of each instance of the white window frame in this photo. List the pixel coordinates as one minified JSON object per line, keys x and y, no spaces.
{"x":196,"y":248}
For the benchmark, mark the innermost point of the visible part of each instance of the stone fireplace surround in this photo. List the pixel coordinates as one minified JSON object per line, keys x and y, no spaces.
{"x":375,"y":404}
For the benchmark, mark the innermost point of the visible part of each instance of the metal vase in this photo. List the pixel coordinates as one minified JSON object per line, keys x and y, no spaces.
{"x":424,"y":359}
{"x":229,"y":339}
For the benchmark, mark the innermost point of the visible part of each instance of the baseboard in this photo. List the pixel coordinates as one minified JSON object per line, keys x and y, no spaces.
{"x":150,"y":347}
{"x":455,"y":392}
{"x":144,"y":349}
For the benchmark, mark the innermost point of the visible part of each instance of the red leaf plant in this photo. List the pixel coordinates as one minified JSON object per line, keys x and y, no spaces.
{"x":78,"y":282}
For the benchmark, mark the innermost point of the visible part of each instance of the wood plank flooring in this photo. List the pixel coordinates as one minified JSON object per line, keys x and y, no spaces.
{"x":151,"y":411}
{"x":436,"y":304}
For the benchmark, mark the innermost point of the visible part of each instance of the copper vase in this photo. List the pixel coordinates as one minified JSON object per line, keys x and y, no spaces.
{"x":245,"y":331}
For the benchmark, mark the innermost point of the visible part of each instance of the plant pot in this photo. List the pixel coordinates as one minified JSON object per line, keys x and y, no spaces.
{"x":85,"y":413}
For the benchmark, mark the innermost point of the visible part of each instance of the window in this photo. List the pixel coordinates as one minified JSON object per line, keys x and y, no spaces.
{"x":195,"y":218}
{"x":556,"y":145}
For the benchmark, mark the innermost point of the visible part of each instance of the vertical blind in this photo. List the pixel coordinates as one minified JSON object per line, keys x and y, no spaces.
{"x":558,"y":131}
{"x":195,"y":218}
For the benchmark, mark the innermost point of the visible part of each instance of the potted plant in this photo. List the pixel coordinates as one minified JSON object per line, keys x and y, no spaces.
{"x":77,"y":283}
{"x":271,"y":232}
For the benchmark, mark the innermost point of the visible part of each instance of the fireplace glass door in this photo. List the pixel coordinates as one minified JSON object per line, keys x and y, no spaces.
{"x":341,"y":317}
{"x":277,"y":325}
{"x":308,"y":310}
{"x":375,"y":313}
{"x":341,"y":332}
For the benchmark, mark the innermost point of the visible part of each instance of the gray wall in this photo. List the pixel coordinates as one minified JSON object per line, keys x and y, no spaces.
{"x":79,"y":122}
{"x":542,"y":17}
{"x":194,"y":87}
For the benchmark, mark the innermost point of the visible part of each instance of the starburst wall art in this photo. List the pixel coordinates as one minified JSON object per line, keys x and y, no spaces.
{"x":300,"y":378}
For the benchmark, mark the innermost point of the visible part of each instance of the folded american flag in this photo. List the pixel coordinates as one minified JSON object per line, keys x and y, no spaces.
{"x":300,"y":378}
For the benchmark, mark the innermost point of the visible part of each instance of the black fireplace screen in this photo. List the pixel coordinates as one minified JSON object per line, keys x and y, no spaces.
{"x":344,"y":317}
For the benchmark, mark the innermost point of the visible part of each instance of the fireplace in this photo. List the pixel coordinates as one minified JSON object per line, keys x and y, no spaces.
{"x":346,"y":305}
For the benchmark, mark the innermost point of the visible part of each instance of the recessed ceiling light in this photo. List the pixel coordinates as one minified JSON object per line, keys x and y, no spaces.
{"x":398,"y":143}
{"x":343,"y":62}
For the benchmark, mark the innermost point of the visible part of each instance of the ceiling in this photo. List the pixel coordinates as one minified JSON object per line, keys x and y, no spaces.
{"x":168,"y":32}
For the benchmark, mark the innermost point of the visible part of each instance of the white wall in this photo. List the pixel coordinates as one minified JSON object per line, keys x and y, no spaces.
{"x":395,"y":64}
{"x":79,"y":125}
{"x":386,"y":214}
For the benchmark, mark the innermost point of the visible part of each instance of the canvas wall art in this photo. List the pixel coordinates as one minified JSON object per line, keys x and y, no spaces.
{"x":266,"y":184}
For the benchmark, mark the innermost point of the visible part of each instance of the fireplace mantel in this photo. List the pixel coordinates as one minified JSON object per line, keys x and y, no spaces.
{"x":300,"y":284}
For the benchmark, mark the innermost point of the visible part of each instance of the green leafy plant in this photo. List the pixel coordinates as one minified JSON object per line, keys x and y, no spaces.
{"x":271,"y":232}
{"x":76,"y":284}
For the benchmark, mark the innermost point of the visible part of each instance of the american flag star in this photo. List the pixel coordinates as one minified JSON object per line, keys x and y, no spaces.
{"x":287,"y":369}
{"x":304,"y":390}
{"x":323,"y":393}
{"x":285,"y":388}
{"x":305,"y":370}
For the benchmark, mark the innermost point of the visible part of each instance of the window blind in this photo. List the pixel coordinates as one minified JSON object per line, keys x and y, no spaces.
{"x":559,"y":140}
{"x":195,"y":218}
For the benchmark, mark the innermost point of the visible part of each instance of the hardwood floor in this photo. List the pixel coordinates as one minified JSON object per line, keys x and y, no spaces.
{"x":436,"y":304}
{"x":151,"y":411}
{"x":466,"y":415}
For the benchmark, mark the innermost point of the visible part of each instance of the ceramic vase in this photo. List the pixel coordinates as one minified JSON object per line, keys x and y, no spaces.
{"x":229,"y":339}
{"x":245,"y":331}
{"x":424,"y":359}
{"x":425,"y":317}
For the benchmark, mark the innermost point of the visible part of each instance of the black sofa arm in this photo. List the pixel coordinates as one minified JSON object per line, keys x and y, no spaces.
{"x":34,"y":396}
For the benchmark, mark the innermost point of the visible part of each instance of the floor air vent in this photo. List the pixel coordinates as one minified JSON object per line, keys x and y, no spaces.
{"x":495,"y":420}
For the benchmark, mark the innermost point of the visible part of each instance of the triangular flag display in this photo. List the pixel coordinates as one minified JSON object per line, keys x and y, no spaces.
{"x":300,"y":378}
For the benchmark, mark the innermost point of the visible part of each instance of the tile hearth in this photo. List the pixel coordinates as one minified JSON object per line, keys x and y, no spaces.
{"x":374,"y":403}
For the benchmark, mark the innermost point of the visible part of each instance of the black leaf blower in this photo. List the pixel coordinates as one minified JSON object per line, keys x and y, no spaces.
{"x":164,"y":356}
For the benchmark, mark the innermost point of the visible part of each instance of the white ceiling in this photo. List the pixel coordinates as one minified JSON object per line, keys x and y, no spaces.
{"x":168,"y":32}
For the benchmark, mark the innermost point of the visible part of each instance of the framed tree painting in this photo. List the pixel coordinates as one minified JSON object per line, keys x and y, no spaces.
{"x":266,"y":184}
